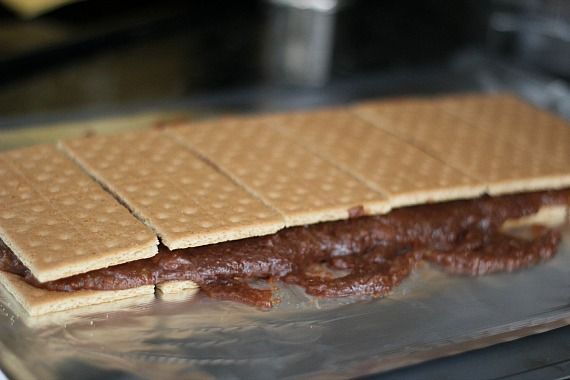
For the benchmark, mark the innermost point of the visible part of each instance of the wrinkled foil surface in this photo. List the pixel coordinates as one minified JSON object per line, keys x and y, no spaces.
{"x":432,"y":314}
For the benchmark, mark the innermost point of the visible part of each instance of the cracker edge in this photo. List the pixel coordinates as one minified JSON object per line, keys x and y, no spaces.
{"x":229,"y":233}
{"x":37,"y":301}
{"x":66,"y":269}
{"x":550,"y":216}
{"x":170,"y":287}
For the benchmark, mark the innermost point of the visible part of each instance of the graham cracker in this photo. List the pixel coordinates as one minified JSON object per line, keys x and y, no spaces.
{"x":59,"y":222}
{"x":176,"y":286}
{"x":549,"y":216}
{"x":302,"y":186}
{"x":405,"y":173}
{"x":84,"y":314}
{"x":509,"y":118}
{"x":503,"y":166}
{"x":177,"y":291}
{"x":37,"y":301}
{"x":186,"y":201}
{"x":475,"y":106}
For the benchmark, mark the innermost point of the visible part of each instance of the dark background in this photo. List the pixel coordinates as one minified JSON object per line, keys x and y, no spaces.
{"x":109,"y":53}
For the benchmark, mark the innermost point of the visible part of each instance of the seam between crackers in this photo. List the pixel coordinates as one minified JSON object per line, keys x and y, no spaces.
{"x":303,"y":146}
{"x":459,"y":117}
{"x":340,"y":167}
{"x":411,"y":143}
{"x":85,"y":168}
{"x":391,"y":199}
{"x":50,"y":205}
{"x":492,"y":187}
{"x":189,"y":147}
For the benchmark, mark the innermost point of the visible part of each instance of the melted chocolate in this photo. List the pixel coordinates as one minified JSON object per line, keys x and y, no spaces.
{"x":378,"y":252}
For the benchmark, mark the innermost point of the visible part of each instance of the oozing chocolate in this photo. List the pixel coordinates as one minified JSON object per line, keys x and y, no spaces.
{"x":378,"y":252}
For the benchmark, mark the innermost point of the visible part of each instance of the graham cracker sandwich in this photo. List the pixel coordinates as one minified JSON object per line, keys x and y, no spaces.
{"x":370,"y":189}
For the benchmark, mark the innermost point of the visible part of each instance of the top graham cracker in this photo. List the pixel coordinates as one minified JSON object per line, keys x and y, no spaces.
{"x":287,"y":170}
{"x":400,"y":170}
{"x":186,"y":201}
{"x":302,"y":186}
{"x":500,"y":163}
{"x":59,"y":222}
{"x":508,"y":118}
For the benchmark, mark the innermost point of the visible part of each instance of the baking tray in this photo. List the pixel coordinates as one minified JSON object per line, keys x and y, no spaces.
{"x":432,"y":314}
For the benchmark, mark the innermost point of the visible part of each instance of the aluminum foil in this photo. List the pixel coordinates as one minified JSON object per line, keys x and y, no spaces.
{"x":432,"y":314}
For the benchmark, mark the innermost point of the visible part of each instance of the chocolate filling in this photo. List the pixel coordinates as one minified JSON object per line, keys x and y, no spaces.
{"x":375,"y":252}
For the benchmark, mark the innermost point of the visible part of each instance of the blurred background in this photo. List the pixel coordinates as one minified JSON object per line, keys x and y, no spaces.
{"x":62,"y":60}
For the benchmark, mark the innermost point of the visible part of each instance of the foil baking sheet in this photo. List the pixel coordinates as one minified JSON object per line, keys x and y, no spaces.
{"x":432,"y":314}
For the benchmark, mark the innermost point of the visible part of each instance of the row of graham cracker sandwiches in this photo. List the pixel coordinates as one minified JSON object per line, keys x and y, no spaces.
{"x":100,"y":201}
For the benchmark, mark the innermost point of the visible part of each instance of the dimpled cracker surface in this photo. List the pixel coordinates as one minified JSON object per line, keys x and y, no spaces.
{"x":509,"y":118}
{"x":185,"y":200}
{"x":302,"y":186}
{"x":36,"y":301}
{"x":388,"y":164}
{"x":500,"y":164}
{"x":59,"y":222}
